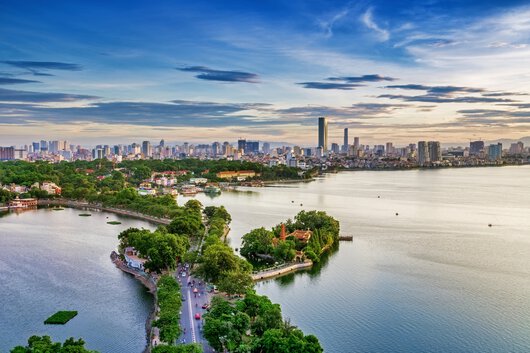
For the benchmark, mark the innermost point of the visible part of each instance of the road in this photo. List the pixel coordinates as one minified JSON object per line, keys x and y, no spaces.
{"x":195,"y":296}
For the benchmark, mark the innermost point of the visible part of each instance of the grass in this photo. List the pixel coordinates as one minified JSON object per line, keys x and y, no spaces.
{"x":60,"y":317}
{"x":85,"y":215}
{"x":114,"y":222}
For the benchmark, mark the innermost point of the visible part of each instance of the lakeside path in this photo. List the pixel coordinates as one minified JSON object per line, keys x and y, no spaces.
{"x":276,"y":272}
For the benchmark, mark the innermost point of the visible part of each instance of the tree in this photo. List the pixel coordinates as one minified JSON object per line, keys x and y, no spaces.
{"x":44,"y":344}
{"x":235,"y":282}
{"x":285,"y":250}
{"x":216,"y":260}
{"x":181,"y":348}
{"x":194,"y":205}
{"x":257,"y":241}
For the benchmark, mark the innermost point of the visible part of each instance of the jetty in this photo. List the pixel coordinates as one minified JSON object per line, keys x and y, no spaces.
{"x":346,"y":238}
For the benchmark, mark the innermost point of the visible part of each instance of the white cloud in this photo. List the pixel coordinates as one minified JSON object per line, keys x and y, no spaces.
{"x":369,"y":22}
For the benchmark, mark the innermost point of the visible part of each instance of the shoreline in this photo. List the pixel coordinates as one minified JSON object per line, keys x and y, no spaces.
{"x":86,"y":205}
{"x":151,"y":286}
{"x":272,"y":273}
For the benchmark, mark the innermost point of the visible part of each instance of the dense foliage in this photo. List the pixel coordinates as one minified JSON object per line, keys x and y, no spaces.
{"x":44,"y":344}
{"x":160,"y":248}
{"x":260,"y":245}
{"x":181,"y":348}
{"x":254,"y":324}
{"x":188,"y":220}
{"x":218,"y":263}
{"x":169,"y":302}
{"x":102,"y":181}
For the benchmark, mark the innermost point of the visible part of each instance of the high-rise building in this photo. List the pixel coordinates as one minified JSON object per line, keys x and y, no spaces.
{"x":241,"y":145}
{"x":517,"y":148}
{"x":435,"y":153}
{"x":162,"y":143}
{"x":389,"y":149}
{"x":7,"y":153}
{"x":345,"y":143}
{"x":44,"y":146}
{"x":475,"y":147}
{"x":323,"y":134}
{"x":146,"y":148}
{"x":251,"y":147}
{"x":36,"y":147}
{"x":53,"y":146}
{"x":356,"y":143}
{"x":266,"y":148}
{"x":216,"y":148}
{"x":495,"y":152}
{"x":423,"y":153}
{"x":335,"y":148}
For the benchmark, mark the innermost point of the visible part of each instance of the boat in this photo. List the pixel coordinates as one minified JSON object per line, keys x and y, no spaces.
{"x":189,"y":189}
{"x":212,"y":189}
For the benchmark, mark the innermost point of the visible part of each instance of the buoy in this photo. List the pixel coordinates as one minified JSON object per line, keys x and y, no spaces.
{"x":292,"y":201}
{"x":378,"y":197}
{"x":301,"y":204}
{"x":397,"y":214}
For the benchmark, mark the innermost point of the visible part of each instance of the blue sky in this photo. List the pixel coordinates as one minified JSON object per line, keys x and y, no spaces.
{"x":123,"y":71}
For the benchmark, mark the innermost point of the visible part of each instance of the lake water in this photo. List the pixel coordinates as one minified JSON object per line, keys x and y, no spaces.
{"x":56,"y":260}
{"x":434,"y":278}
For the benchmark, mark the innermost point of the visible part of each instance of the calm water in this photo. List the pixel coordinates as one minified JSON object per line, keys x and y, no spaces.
{"x":56,"y":260}
{"x":435,"y":278}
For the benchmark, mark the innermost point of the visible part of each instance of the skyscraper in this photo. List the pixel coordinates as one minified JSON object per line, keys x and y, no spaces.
{"x":475,"y":147}
{"x":495,"y":152}
{"x":266,"y":147}
{"x":323,"y":134}
{"x":252,"y":147}
{"x":435,"y":153}
{"x":423,"y":153}
{"x":345,"y":145}
{"x":146,"y":148}
{"x":356,"y":142}
{"x":241,"y":145}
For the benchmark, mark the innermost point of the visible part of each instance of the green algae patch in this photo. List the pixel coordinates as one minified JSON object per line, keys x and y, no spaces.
{"x":60,"y":318}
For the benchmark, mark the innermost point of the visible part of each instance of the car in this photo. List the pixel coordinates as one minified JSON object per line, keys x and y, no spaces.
{"x":183,"y":274}
{"x":197,"y":316}
{"x":205,"y":306}
{"x":183,"y":298}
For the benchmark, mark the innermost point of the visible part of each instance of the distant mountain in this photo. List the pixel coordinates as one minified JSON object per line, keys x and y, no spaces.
{"x":507,"y":142}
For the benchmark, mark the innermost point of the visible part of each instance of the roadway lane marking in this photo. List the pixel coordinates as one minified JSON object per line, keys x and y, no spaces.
{"x":192,"y":326}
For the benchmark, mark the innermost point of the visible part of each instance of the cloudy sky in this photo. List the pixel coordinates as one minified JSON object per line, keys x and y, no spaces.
{"x":199,"y":71}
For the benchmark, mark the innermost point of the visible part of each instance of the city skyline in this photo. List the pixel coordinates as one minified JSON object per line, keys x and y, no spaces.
{"x":387,"y":71}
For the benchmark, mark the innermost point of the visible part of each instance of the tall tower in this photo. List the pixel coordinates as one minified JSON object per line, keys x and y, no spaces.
{"x":423,"y":153}
{"x":323,"y":134}
{"x":345,"y":145}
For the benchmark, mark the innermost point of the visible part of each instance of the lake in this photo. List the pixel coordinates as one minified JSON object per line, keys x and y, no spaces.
{"x":434,"y":278}
{"x":56,"y":260}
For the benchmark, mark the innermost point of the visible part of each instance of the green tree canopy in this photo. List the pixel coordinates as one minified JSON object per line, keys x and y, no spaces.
{"x":44,"y":344}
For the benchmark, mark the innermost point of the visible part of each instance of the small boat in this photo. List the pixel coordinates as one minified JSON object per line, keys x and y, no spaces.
{"x":397,"y":214}
{"x":189,"y":190}
{"x":212,"y":189}
{"x":490,"y":225}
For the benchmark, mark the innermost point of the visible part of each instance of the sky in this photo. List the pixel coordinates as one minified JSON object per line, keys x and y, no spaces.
{"x":202,"y":71}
